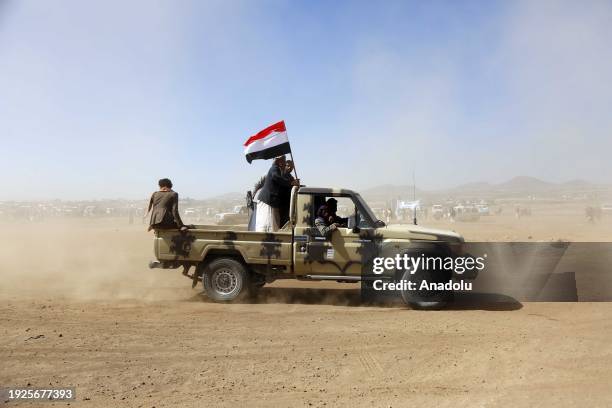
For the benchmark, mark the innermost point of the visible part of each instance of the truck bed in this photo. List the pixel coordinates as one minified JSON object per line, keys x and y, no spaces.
{"x":194,"y":244}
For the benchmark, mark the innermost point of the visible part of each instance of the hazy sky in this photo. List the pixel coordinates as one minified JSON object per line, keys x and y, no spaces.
{"x":102,"y":98}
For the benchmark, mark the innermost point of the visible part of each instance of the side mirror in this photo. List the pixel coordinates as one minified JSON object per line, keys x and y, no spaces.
{"x":352,"y":222}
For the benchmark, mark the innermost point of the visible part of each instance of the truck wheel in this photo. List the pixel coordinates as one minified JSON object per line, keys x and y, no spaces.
{"x":426,"y":299}
{"x":225,"y":279}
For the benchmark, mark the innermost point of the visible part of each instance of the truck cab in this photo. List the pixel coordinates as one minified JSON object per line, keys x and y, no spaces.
{"x":343,"y":251}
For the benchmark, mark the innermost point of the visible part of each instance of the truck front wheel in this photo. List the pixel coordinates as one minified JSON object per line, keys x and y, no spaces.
{"x":426,"y":299}
{"x":225,"y":279}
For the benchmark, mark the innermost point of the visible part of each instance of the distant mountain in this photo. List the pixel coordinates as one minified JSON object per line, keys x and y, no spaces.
{"x":524,"y":183}
{"x":519,"y":184}
{"x":227,"y":197}
{"x":390,"y":191}
{"x":473,"y":187}
{"x":577,"y":184}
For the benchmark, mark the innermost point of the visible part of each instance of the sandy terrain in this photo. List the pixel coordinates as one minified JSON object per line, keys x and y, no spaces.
{"x":189,"y":353}
{"x":79,"y":307}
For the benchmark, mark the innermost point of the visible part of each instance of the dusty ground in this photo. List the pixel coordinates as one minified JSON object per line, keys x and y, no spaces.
{"x":189,"y":353}
{"x":79,"y":307}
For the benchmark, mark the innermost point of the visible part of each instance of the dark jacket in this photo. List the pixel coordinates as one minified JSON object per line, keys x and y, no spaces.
{"x":164,"y":206}
{"x":285,"y":202}
{"x":272,"y":188}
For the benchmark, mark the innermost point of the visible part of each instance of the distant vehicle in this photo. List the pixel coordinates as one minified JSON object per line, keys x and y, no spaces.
{"x":466,"y":213}
{"x":483,"y":209}
{"x":70,"y":210}
{"x":240,"y":209}
{"x":239,"y":216}
{"x":190,"y":212}
{"x":606,"y":209}
{"x":89,"y":211}
{"x":437,"y":211}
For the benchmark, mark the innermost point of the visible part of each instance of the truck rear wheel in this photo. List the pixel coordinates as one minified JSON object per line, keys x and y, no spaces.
{"x":226,"y":279}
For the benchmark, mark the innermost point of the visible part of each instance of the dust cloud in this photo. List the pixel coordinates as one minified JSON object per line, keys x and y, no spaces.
{"x":82,"y":260}
{"x":107,"y":259}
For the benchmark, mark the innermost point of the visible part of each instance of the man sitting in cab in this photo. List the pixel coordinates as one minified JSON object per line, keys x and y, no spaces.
{"x":327,"y":220}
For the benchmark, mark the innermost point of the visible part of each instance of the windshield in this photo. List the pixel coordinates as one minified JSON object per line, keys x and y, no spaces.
{"x":365,"y":209}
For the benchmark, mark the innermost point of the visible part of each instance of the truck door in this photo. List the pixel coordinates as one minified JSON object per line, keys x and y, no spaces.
{"x":342,"y":253}
{"x":301,"y":213}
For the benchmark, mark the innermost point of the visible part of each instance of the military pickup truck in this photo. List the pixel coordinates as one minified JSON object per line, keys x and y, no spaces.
{"x":233,"y":262}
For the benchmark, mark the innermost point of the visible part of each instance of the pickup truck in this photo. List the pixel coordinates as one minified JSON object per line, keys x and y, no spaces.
{"x":238,"y":216}
{"x":233,"y":262}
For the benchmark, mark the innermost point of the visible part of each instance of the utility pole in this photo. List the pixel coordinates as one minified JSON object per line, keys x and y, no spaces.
{"x":414,"y":211}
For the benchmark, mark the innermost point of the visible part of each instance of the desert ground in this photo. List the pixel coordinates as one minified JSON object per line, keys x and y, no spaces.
{"x":79,"y":307}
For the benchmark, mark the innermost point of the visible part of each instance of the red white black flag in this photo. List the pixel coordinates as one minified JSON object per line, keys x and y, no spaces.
{"x":268,"y":144}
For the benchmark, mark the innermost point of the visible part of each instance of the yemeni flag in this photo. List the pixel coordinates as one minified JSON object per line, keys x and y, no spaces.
{"x":268,"y":144}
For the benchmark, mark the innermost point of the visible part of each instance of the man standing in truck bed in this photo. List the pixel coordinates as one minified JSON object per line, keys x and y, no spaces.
{"x":285,"y":195}
{"x":268,"y":217}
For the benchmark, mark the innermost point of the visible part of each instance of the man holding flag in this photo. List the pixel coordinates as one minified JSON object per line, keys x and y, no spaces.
{"x":271,"y":142}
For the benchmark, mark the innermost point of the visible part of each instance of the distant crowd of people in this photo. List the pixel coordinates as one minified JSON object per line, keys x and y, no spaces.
{"x":270,"y":202}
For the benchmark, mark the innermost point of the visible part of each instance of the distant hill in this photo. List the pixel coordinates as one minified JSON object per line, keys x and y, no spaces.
{"x":577,"y":184}
{"x":525,"y":183}
{"x":516,"y":185}
{"x":227,"y":197}
{"x":389,"y":191}
{"x":473,"y":187}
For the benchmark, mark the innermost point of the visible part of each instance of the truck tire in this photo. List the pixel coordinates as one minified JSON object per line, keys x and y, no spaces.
{"x":225,"y":280}
{"x":426,"y":299}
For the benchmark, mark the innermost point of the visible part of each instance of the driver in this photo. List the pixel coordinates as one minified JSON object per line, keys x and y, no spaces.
{"x":327,"y":220}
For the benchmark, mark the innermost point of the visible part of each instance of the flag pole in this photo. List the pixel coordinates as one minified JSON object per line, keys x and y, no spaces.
{"x":291,"y":155}
{"x":294,"y":169}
